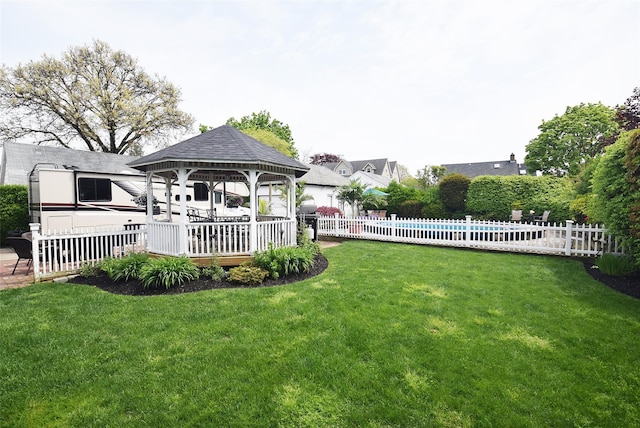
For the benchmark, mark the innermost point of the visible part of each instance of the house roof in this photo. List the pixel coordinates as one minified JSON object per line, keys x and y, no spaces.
{"x":378,"y":165}
{"x":374,"y":180}
{"x":321,"y":176}
{"x":19,"y":159}
{"x":222,"y":147}
{"x":471,"y":170}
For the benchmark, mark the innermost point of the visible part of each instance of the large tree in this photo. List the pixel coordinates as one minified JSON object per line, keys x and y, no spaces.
{"x":93,"y":96}
{"x":263,"y":121}
{"x":628,"y":114}
{"x":567,"y":142}
{"x":429,"y":176}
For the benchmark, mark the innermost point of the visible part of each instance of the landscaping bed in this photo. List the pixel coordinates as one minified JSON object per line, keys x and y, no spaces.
{"x":629,"y":285}
{"x":136,"y":288}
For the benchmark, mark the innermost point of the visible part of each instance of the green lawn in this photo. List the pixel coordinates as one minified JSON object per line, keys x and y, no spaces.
{"x":390,"y":335}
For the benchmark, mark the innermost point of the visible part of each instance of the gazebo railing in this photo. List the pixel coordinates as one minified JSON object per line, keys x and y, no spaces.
{"x":220,"y":238}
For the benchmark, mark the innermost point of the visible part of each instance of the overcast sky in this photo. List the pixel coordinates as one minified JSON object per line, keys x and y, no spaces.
{"x":418,"y":82}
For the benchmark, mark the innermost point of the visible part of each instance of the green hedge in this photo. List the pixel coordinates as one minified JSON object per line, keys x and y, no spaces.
{"x":493,"y":197}
{"x":14,"y":210}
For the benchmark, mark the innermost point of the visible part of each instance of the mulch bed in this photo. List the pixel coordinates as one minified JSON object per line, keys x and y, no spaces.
{"x":629,"y":285}
{"x":135,"y":288}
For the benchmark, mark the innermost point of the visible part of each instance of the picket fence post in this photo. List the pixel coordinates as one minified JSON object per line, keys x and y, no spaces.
{"x":569,"y":236}
{"x":393,"y":225}
{"x":35,"y":250}
{"x":468,"y":235}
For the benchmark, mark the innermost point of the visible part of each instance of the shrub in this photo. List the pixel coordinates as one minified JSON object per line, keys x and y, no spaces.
{"x":168,"y":271}
{"x":14,"y":210}
{"x":89,"y":269}
{"x":214,"y":271}
{"x":453,"y":191}
{"x":247,"y":274}
{"x":285,"y":260}
{"x":127,"y":267}
{"x":614,"y":265}
{"x":410,"y":209}
{"x":493,"y":197}
{"x":329,"y":211}
{"x":432,"y":204}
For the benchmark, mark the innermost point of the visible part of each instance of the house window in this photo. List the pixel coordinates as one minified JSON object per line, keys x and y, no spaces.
{"x":369,"y":169}
{"x":94,"y":189}
{"x":342,"y":172}
{"x":496,"y":165}
{"x":200,"y":192}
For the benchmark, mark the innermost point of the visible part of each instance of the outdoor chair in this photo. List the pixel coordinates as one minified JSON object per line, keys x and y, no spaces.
{"x":542,"y":218}
{"x":22,"y":247}
{"x":211,"y":214}
{"x":516,"y":215}
{"x":193,"y":214}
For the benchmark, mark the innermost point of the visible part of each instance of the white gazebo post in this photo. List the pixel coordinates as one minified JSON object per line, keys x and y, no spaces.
{"x":183,"y":175}
{"x":149,"y":197}
{"x":253,"y":208}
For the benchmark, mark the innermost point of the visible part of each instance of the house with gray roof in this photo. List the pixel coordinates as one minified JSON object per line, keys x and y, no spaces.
{"x":381,"y":167}
{"x":320,"y":184}
{"x":500,"y":167}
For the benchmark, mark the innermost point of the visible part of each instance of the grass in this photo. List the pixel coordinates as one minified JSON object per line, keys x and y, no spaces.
{"x":389,"y":335}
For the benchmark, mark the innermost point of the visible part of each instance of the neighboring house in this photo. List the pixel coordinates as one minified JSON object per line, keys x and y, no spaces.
{"x":502,"y":167}
{"x":320,"y":184}
{"x":380,"y":167}
{"x":371,"y":180}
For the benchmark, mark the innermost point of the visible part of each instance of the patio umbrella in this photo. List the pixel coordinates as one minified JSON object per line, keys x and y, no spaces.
{"x":375,"y":192}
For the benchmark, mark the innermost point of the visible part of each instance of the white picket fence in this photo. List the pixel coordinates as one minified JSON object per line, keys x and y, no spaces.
{"x":569,"y":239}
{"x":64,"y":251}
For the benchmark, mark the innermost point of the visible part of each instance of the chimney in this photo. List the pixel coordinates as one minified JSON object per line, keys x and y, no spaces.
{"x":512,"y":158}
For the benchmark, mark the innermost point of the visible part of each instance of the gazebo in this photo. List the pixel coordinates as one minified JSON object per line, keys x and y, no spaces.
{"x":220,"y":156}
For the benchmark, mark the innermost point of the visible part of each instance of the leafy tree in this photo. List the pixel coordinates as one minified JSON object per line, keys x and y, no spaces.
{"x":566,"y":142}
{"x":628,"y":114}
{"x":92,"y":96}
{"x":453,"y":192}
{"x":323,"y":158}
{"x":616,"y":195}
{"x":398,"y":194}
{"x":353,"y":194}
{"x":429,"y":176}
{"x":263,"y":121}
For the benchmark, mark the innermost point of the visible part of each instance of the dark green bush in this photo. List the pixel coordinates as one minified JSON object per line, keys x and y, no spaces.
{"x":398,"y":194}
{"x":285,"y":260}
{"x":432,"y":206}
{"x":14,"y":210}
{"x":247,"y":274}
{"x":168,"y":272}
{"x":453,"y":192}
{"x":615,"y":265}
{"x":410,"y":209}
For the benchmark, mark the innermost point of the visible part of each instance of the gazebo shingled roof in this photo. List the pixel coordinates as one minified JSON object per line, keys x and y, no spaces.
{"x":222,"y":147}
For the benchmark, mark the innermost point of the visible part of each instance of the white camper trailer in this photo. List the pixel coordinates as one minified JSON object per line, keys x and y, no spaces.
{"x":65,"y":198}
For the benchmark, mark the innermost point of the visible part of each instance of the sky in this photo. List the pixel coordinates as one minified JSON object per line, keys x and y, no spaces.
{"x":425,"y":82}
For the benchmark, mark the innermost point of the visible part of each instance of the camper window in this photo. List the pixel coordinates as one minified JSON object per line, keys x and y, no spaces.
{"x":178,"y":198}
{"x":200,"y":192}
{"x":94,"y":189}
